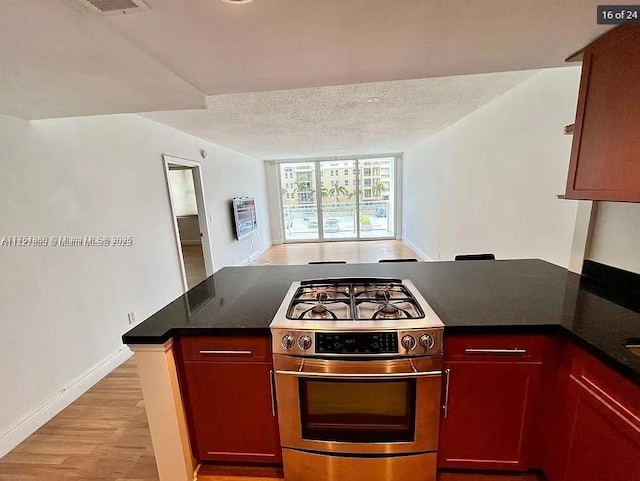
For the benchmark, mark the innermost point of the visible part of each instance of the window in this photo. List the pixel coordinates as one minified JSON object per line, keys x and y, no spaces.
{"x":304,"y":196}
{"x":362,"y":208}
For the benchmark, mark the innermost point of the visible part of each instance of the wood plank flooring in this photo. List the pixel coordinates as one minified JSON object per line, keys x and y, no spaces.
{"x":352,"y":252}
{"x":104,"y":435}
{"x":193,"y":264}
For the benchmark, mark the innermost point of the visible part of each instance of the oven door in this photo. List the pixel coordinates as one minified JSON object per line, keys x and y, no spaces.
{"x":359,"y":407}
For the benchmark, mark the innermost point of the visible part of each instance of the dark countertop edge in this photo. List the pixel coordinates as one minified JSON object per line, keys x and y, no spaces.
{"x":135,"y":340}
{"x":555,"y":329}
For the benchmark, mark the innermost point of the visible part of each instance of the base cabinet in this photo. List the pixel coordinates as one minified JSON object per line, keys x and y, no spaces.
{"x":489,"y":405}
{"x":605,"y":444}
{"x":595,"y":431}
{"x":230,"y":403}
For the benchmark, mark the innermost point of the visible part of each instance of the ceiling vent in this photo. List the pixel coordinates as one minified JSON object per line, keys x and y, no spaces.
{"x":110,"y":7}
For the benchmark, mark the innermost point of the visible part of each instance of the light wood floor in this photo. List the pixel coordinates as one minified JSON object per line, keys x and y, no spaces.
{"x":104,"y":435}
{"x":352,"y":252}
{"x":193,"y":264}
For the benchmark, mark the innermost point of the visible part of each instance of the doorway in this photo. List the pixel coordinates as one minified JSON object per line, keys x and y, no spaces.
{"x":188,"y":211}
{"x":338,"y":199}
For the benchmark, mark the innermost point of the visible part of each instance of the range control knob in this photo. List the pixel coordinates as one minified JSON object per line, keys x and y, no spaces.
{"x":288,"y":341}
{"x":408,"y":342}
{"x":426,"y":341}
{"x":304,"y":342}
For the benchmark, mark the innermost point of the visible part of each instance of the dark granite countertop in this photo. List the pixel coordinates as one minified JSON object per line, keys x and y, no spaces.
{"x":510,"y":296}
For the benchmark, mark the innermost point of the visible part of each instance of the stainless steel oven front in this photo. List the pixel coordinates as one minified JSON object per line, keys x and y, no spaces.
{"x":367,"y":407}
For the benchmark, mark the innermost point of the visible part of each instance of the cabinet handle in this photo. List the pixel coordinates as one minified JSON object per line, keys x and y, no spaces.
{"x":246,"y":353}
{"x":273,"y":398}
{"x":445,"y":406}
{"x":471,"y":350}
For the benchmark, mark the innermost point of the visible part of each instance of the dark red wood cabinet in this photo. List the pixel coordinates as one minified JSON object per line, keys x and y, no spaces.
{"x":491,"y":394}
{"x":227,"y":386}
{"x":594,"y":433}
{"x":605,"y":154}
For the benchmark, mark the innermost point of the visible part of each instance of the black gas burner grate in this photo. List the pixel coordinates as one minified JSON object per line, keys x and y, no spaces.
{"x":354,"y":299}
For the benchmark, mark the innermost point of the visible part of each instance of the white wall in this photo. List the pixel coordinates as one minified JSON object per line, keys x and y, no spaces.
{"x":63,"y":310}
{"x":615,"y":235}
{"x":488,"y":182}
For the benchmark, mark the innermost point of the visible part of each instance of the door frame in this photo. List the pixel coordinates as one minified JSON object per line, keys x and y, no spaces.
{"x":202,"y":214}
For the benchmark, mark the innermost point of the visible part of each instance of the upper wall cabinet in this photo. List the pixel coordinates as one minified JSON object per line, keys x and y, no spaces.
{"x":605,"y":155}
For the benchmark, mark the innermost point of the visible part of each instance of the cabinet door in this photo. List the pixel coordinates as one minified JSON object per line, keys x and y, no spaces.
{"x":605,"y":441}
{"x":232,"y":411}
{"x":605,"y":155}
{"x":488,"y":416}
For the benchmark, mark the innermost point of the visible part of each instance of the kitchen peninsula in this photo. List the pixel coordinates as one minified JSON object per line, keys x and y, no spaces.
{"x":574,"y":328}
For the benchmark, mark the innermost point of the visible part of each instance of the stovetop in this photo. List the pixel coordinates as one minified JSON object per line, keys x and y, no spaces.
{"x":356,"y":316}
{"x":353,"y":299}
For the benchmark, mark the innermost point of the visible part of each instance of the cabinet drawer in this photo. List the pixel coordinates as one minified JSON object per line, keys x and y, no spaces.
{"x":508,"y":348}
{"x":229,"y":349}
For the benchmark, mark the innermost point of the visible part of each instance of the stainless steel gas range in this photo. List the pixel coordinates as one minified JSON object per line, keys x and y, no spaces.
{"x":358,"y":376}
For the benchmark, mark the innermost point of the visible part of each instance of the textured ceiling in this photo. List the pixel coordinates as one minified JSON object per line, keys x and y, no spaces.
{"x":339,"y":120}
{"x":55,"y":61}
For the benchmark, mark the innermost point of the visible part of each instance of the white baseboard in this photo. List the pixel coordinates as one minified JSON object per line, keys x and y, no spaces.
{"x":32,"y":421}
{"x":420,"y":252}
{"x":259,"y":252}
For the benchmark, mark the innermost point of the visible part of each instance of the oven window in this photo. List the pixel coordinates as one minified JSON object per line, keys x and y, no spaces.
{"x":358,"y":411}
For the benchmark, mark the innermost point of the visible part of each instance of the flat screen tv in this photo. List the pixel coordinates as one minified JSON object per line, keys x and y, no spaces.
{"x":245,"y":218}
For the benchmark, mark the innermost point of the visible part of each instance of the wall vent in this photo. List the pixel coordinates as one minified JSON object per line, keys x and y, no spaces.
{"x":110,"y":7}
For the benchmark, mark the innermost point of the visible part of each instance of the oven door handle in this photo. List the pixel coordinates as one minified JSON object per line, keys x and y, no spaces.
{"x":368,"y":375}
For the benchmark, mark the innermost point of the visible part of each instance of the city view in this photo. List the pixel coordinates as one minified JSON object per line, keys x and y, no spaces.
{"x":339,"y":199}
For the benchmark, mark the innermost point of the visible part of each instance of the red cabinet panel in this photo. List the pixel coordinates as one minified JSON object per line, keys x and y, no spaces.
{"x":227,"y":388}
{"x":605,"y":444}
{"x":232,"y":411}
{"x":230,"y":349}
{"x":491,"y":402}
{"x":593,"y":432}
{"x":508,"y":348}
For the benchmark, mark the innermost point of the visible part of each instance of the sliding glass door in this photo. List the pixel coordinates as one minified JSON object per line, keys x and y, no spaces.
{"x":342,"y":199}
{"x":339,"y":206}
{"x":377,"y":191}
{"x":299,"y":202}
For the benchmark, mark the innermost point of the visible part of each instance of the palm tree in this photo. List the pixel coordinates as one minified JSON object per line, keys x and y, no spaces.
{"x":336,"y":191}
{"x":378,"y":189}
{"x":300,"y":186}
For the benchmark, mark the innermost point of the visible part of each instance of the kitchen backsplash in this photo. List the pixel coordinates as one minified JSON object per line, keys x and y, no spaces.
{"x":615,"y":235}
